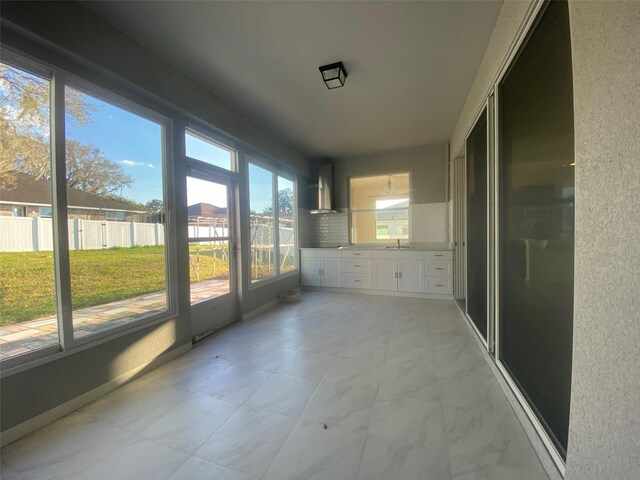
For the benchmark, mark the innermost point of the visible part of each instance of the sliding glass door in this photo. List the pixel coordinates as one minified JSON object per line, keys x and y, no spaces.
{"x":477,"y":245}
{"x":536,"y":221}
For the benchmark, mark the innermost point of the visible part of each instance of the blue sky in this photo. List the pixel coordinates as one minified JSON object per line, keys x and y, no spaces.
{"x":261,"y":188}
{"x":133,"y":142}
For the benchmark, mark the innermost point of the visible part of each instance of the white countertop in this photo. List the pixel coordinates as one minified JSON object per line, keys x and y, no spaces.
{"x":424,"y":247}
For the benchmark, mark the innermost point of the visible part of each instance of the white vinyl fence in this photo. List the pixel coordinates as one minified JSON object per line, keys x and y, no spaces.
{"x":26,"y":234}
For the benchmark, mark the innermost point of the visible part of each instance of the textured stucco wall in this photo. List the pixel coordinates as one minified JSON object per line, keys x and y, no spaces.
{"x":604,"y":431}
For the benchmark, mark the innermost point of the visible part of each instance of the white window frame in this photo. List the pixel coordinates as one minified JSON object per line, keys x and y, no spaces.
{"x":59,"y":78}
{"x":208,"y":136}
{"x":275,"y":173}
{"x":376,"y":210}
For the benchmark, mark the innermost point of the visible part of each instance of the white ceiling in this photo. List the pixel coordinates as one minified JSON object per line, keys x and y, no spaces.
{"x":410,"y":64}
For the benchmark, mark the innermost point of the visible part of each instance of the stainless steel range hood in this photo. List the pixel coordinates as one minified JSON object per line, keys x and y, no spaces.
{"x":325,"y":190}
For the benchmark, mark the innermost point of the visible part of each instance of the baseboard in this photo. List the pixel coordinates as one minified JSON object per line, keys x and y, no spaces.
{"x":260,"y":309}
{"x":30,"y":426}
{"x":369,"y":291}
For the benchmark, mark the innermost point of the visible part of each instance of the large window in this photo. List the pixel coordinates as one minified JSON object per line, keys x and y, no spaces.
{"x":379,"y":208}
{"x":286,"y":225}
{"x":272,"y":201}
{"x":28,"y":310}
{"x":114,"y":161}
{"x":102,"y":252}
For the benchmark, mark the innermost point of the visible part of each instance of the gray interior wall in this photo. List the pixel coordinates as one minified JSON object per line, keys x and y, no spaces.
{"x":604,"y":431}
{"x":66,"y":34}
{"x":426,"y":164}
{"x":34,"y":391}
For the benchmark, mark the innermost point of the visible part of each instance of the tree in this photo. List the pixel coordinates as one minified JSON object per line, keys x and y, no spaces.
{"x":89,"y":171}
{"x":25,"y":131}
{"x":285,"y":202}
{"x":155,"y":206}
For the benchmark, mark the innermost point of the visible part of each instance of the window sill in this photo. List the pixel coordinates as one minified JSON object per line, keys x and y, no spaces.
{"x":268,"y":281}
{"x":19,"y":364}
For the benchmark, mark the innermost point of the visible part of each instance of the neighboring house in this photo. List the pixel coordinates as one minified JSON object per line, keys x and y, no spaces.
{"x":31,"y":197}
{"x":206,"y":210}
{"x":206,"y":220}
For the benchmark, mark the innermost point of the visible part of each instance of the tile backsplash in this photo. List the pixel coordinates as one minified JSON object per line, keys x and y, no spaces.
{"x":326,"y":230}
{"x":428,"y":225}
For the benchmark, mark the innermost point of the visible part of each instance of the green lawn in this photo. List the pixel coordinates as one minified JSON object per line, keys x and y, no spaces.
{"x":97,"y":277}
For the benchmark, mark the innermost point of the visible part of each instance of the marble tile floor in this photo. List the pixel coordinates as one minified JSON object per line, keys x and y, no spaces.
{"x":337,"y":386}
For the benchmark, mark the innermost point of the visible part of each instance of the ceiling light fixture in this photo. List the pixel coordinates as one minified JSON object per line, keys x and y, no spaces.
{"x":389,"y":190}
{"x":334,"y":75}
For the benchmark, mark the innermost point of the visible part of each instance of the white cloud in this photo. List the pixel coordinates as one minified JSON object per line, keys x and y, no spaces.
{"x":151,"y":165}
{"x":131,"y":163}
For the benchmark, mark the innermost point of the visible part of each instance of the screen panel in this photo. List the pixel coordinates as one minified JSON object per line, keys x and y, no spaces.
{"x":477,"y":224}
{"x":536,"y":237}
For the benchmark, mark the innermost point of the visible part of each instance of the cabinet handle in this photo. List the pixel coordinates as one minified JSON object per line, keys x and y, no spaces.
{"x":439,"y":268}
{"x":356,"y":281}
{"x":438,"y":255}
{"x":356,"y":254}
{"x":438,"y":285}
{"x":357,"y":265}
{"x":400,"y":275}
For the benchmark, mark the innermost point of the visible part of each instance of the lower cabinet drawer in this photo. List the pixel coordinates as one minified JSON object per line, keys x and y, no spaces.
{"x":439,"y":268}
{"x":356,"y":280}
{"x":441,"y":286}
{"x":356,"y":266}
{"x":442,"y":255}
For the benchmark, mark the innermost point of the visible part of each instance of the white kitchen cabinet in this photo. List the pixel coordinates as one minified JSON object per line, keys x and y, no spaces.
{"x":310,"y":271}
{"x":411,"y":276}
{"x":398,"y":275}
{"x":332,"y":272}
{"x":414,"y":272}
{"x":356,"y":280}
{"x":385,"y":275}
{"x":439,"y":285}
{"x":439,"y":268}
{"x":439,"y":273}
{"x":321,"y":272}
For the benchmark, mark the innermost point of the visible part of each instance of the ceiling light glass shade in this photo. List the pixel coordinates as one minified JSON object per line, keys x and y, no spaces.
{"x":334,"y":75}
